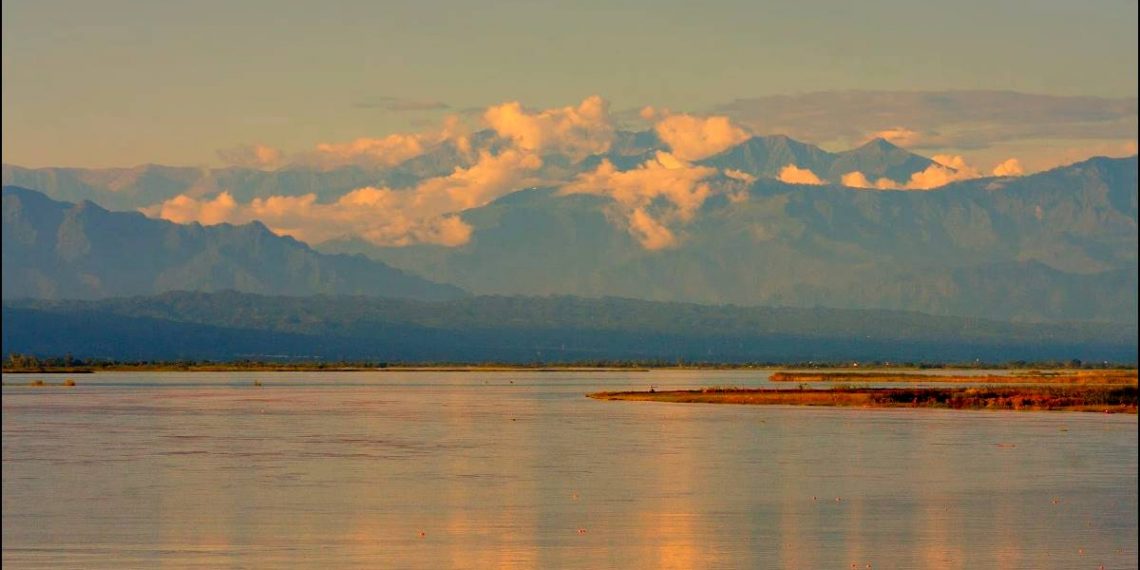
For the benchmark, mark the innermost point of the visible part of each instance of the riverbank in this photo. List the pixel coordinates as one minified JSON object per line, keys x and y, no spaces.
{"x":1119,"y":377}
{"x":811,"y":371}
{"x":1108,"y":399}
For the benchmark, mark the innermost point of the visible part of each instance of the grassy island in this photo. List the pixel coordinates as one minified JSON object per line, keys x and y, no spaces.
{"x":1076,"y":398}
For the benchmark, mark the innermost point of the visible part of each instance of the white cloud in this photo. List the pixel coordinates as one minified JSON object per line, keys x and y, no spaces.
{"x":576,"y":131}
{"x":425,"y":213}
{"x":692,"y":138}
{"x":792,"y":174}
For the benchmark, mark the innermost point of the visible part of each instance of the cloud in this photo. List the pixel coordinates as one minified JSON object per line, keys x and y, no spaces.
{"x":576,"y":131}
{"x":692,"y":138}
{"x":946,"y":169}
{"x":672,"y":187}
{"x":183,"y":209}
{"x":257,"y":156}
{"x":399,"y":104}
{"x":739,"y":175}
{"x":489,"y":178}
{"x":664,"y":176}
{"x":899,"y":136}
{"x":791,"y":174}
{"x":650,"y":233}
{"x":388,"y":151}
{"x":1011,"y":167}
{"x":425,"y":213}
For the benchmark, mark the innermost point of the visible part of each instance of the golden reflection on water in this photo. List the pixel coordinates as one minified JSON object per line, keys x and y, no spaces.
{"x":670,"y":520}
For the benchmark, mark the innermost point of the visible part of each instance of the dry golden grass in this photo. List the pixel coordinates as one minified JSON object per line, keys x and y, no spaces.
{"x":1067,"y":377}
{"x":1090,"y":398}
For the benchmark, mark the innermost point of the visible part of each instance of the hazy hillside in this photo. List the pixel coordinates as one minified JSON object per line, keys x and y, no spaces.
{"x":62,"y":250}
{"x":1056,"y":245}
{"x":230,"y":325}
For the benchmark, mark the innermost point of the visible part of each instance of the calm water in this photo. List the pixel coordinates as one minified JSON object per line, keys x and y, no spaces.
{"x":519,"y":470}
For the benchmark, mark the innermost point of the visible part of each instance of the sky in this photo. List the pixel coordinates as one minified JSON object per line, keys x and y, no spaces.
{"x":121,"y":83}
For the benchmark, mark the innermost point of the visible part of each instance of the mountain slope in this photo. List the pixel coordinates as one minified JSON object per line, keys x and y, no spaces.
{"x":61,"y":250}
{"x":1053,"y":246}
{"x":764,"y":157}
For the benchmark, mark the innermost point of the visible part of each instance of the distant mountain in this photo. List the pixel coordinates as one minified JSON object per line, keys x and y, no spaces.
{"x":230,"y":325}
{"x":147,"y":185}
{"x":61,"y":250}
{"x":137,"y":187}
{"x":1059,"y":245}
{"x":764,"y":157}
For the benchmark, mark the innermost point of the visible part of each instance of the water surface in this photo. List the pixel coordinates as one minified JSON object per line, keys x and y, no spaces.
{"x":519,"y":470}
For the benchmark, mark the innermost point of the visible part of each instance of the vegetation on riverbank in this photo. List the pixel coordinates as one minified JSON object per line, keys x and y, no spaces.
{"x":25,"y":363}
{"x":1078,"y":398}
{"x":1117,"y":377}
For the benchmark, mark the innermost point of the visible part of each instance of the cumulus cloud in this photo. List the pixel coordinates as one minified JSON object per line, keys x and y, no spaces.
{"x":899,"y":136}
{"x":652,"y":235}
{"x":577,"y":131}
{"x":946,"y":169}
{"x":791,"y":174}
{"x":1011,"y":167}
{"x":664,"y":178}
{"x":692,"y":138}
{"x":183,"y":209}
{"x":387,"y":151}
{"x":425,"y":213}
{"x":258,"y":156}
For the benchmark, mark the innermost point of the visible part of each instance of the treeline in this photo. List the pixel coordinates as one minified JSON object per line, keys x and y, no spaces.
{"x":17,"y":362}
{"x":231,"y":327}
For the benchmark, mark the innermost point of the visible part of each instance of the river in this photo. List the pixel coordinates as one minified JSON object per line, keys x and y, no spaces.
{"x":520,"y":470}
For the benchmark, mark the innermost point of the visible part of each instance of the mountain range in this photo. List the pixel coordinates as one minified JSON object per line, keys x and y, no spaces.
{"x":1059,"y":245}
{"x":80,"y":251}
{"x":146,"y":185}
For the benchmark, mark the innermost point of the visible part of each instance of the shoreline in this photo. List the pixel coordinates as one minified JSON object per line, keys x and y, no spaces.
{"x":807,"y":372}
{"x":1113,"y":377}
{"x":1104,"y":399}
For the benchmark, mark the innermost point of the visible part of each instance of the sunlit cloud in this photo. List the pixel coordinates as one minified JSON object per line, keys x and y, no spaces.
{"x":945,"y":170}
{"x":667,"y":178}
{"x":791,"y":174}
{"x":690,"y":137}
{"x":183,"y":209}
{"x":1011,"y":167}
{"x":386,"y":151}
{"x":425,"y":213}
{"x":899,"y":136}
{"x":650,"y":233}
{"x":257,"y":156}
{"x":576,"y":131}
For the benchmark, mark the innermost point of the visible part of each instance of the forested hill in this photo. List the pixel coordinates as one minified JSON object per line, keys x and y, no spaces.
{"x":230,"y":325}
